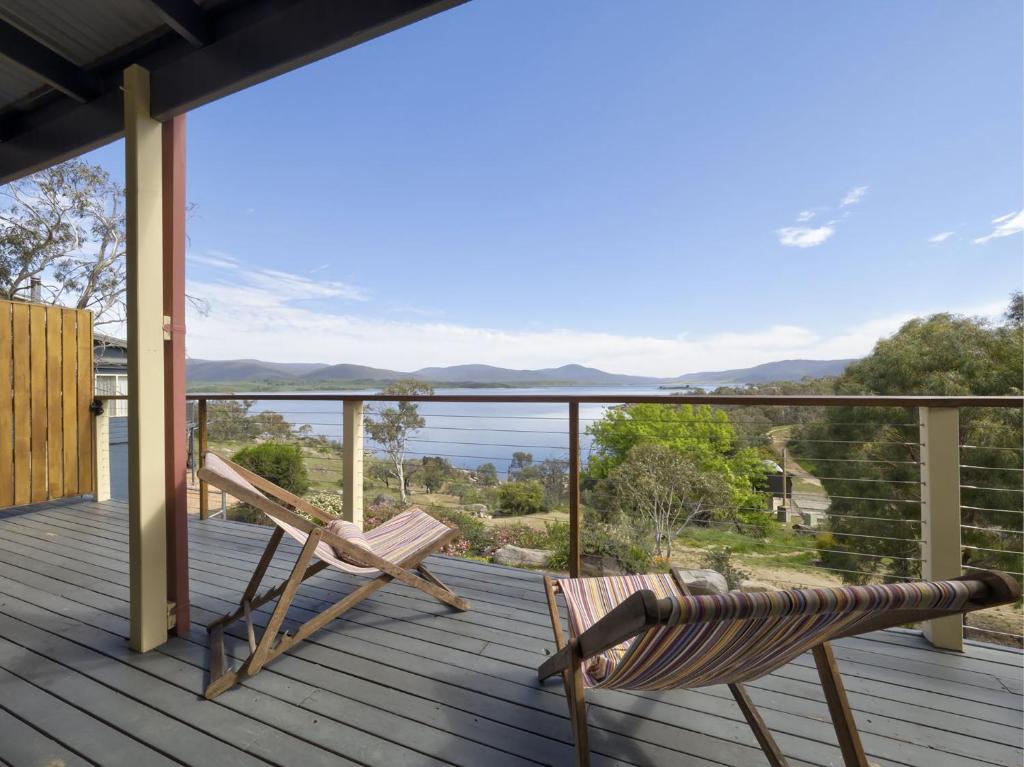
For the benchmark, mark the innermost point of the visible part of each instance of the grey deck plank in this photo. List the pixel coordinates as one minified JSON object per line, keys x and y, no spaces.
{"x":24,"y":746}
{"x":449,"y":672}
{"x":73,"y":728}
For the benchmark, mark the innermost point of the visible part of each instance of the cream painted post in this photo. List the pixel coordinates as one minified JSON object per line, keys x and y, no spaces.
{"x":352,"y":462}
{"x":940,"y":513}
{"x":101,"y":453}
{"x":147,"y":527}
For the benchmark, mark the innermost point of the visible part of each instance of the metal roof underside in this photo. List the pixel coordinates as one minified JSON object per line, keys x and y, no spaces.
{"x":61,"y":61}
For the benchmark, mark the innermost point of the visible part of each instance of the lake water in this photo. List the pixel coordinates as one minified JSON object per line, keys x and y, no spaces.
{"x":469,"y":434}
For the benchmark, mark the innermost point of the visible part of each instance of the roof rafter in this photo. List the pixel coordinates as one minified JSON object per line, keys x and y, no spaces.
{"x":187,"y":19}
{"x":257,"y":43}
{"x":46,"y":64}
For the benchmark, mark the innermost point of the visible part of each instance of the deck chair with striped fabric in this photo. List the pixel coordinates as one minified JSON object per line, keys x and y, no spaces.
{"x":646,"y":632}
{"x":390,"y":552}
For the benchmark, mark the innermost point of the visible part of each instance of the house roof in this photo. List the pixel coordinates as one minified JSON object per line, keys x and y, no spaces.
{"x":61,"y":61}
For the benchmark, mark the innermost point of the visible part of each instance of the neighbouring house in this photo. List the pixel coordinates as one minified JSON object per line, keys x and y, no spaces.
{"x":110,"y":357}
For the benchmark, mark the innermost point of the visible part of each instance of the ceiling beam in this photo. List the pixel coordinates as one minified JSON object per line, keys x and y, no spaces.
{"x":46,"y":64}
{"x":187,"y":19}
{"x":293,"y":36}
{"x":271,"y":42}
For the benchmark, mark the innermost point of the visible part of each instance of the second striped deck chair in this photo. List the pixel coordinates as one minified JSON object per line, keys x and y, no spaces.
{"x":391,"y":552}
{"x":646,"y":632}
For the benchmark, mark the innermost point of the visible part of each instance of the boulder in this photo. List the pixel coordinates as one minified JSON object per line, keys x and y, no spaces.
{"x":593,"y":565}
{"x":517,"y":556}
{"x":704,"y":582}
{"x":755,"y":586}
{"x":478,"y":510}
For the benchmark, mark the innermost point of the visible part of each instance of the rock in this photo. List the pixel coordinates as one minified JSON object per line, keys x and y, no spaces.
{"x":704,"y":582}
{"x":597,"y":564}
{"x":478,"y":510}
{"x":516,"y":556}
{"x":754,"y":586}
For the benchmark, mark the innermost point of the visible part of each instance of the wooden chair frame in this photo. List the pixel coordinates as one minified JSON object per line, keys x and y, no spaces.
{"x":643,"y":610}
{"x":267,"y":647}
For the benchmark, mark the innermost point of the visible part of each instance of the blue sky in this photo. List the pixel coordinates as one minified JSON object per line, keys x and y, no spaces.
{"x":651,"y":187}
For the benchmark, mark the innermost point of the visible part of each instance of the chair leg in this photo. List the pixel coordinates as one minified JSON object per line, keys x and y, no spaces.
{"x":761,"y":732}
{"x":575,"y":696}
{"x":839,"y":707}
{"x":259,"y":657}
{"x":264,"y":563}
{"x":578,"y":708}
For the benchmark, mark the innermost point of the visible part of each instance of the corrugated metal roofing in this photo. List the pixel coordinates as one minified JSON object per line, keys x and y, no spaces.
{"x":61,"y":61}
{"x":16,"y":83}
{"x":82,"y":31}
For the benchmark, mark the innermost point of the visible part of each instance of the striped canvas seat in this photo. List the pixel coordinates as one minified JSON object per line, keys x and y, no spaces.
{"x":736,"y":637}
{"x":394,"y":540}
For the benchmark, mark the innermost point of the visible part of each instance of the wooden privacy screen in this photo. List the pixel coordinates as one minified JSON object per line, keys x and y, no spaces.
{"x":46,"y":387}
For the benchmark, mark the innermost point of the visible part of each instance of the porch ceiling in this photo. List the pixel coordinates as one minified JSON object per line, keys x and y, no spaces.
{"x":61,"y":62}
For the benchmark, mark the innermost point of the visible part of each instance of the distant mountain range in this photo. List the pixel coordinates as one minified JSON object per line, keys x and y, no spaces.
{"x":783,"y":370}
{"x":257,"y":374}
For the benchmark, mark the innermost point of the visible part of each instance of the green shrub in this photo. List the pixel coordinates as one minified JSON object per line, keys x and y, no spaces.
{"x":600,"y":540}
{"x":518,"y":498}
{"x":520,"y":535}
{"x":279,"y":462}
{"x":720,"y":560}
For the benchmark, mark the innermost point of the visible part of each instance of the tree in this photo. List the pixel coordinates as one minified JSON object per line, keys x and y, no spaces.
{"x":435,"y":472}
{"x":393,"y":426}
{"x":875,"y":533}
{"x":666,"y":490}
{"x":521,"y":497}
{"x":487,"y":474}
{"x":520,"y":461}
{"x":554,"y":476}
{"x":64,"y":226}
{"x":702,"y":435}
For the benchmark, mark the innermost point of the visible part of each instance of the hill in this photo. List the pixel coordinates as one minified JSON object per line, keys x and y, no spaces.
{"x":783,"y":370}
{"x":257,"y":374}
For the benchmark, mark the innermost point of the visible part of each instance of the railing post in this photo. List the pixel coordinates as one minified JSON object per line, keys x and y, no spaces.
{"x":352,"y":461}
{"x":101,"y":450}
{"x":940,"y":513}
{"x":204,"y":489}
{"x":574,"y":489}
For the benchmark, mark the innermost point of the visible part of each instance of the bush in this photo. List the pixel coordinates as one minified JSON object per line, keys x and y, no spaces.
{"x":601,"y":540}
{"x":520,"y":535}
{"x":279,"y":462}
{"x":518,"y":498}
{"x":720,"y":560}
{"x":474,"y":536}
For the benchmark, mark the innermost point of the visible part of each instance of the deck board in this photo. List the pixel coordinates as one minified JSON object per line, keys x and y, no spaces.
{"x":403,"y":680}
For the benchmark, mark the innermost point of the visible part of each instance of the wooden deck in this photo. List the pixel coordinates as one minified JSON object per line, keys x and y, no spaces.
{"x":403,"y":681}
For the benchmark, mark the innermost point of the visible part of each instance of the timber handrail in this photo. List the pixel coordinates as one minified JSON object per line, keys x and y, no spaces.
{"x":808,"y":400}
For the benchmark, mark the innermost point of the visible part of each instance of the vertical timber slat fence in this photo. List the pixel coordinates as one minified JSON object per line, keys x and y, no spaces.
{"x":46,"y":387}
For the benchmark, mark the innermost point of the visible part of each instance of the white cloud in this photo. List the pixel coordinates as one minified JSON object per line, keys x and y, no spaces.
{"x":804,"y":216}
{"x":285,"y":285}
{"x":1011,"y":223}
{"x":854,"y":196}
{"x":940,"y":237}
{"x":265,"y":320}
{"x":214,"y":258}
{"x":803,"y":236}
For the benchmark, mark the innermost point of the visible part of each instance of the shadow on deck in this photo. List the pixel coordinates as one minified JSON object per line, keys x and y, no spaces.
{"x":401,"y":680}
